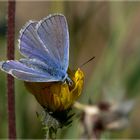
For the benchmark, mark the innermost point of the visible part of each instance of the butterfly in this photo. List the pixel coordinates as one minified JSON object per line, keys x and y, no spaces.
{"x":45,"y":46}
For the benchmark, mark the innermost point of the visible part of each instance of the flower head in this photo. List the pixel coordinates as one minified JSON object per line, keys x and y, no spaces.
{"x":57,"y":96}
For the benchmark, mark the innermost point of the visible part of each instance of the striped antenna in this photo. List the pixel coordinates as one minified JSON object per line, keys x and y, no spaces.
{"x":87,"y":61}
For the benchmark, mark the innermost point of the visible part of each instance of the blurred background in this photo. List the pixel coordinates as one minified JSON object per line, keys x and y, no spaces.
{"x":107,"y":30}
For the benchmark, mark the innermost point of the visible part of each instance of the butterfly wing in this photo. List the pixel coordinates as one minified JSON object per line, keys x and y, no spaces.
{"x":32,"y":47}
{"x":47,"y":51}
{"x":28,"y":70}
{"x":53,"y":31}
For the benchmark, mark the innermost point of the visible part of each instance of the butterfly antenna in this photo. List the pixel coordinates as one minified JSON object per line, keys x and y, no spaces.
{"x":87,"y":61}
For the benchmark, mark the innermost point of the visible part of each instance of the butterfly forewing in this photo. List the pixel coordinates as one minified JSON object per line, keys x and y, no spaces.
{"x":53,"y":31}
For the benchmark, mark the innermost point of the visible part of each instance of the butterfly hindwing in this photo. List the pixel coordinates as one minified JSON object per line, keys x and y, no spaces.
{"x":32,"y":72}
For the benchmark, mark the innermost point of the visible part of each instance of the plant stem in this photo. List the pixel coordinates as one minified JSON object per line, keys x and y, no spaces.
{"x":10,"y":79}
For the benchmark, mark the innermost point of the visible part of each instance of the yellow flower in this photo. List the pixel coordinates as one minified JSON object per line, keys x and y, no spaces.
{"x":57,"y":96}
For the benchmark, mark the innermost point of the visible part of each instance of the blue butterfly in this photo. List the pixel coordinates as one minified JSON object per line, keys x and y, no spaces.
{"x":45,"y":46}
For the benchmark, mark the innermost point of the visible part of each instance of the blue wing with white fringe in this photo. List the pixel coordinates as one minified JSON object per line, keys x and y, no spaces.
{"x":45,"y":45}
